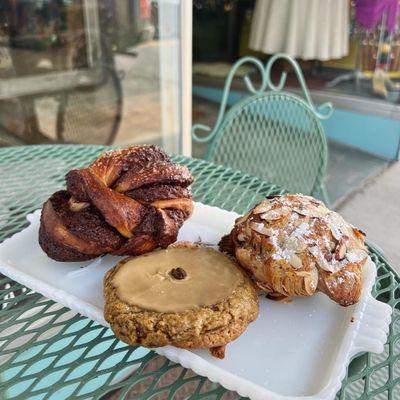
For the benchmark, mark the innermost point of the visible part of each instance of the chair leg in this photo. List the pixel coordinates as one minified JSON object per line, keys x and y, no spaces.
{"x":321,"y":193}
{"x":324,"y":195}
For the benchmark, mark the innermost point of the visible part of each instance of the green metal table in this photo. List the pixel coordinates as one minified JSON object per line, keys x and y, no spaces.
{"x":49,"y":352}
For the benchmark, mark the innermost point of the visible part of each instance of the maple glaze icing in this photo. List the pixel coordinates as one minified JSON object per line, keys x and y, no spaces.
{"x":148,"y":282}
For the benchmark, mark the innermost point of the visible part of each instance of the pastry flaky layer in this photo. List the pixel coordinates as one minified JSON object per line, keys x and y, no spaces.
{"x":293,"y":245}
{"x":208,"y":299}
{"x":127,"y":202}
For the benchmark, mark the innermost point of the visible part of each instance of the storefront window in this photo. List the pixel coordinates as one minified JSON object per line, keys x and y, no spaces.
{"x":349,"y":54}
{"x":345,"y":47}
{"x":91,"y":71}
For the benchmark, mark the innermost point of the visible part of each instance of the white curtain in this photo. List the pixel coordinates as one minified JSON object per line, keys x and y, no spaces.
{"x":306,"y":29}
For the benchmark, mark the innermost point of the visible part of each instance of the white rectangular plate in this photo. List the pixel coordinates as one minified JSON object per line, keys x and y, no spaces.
{"x":298,"y":349}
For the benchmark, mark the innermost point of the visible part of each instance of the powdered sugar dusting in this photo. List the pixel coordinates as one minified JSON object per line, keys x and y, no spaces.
{"x":295,"y":224}
{"x":356,"y":255}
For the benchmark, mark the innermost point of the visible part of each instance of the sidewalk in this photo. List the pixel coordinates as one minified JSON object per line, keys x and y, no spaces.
{"x":375,"y":208}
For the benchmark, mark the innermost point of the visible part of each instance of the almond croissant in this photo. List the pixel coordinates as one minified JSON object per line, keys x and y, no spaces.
{"x":293,"y":245}
{"x":127,"y":202}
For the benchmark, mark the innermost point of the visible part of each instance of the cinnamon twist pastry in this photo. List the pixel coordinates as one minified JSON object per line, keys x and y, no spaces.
{"x":127,"y":202}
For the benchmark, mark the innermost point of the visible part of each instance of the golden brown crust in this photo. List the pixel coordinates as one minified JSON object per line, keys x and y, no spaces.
{"x":203,"y":327}
{"x":344,"y":286}
{"x":292,"y":245}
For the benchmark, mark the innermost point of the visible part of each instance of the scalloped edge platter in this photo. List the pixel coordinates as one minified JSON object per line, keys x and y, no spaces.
{"x":296,"y":350}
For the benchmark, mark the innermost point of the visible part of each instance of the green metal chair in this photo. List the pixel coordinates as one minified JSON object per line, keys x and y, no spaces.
{"x":273,"y":134}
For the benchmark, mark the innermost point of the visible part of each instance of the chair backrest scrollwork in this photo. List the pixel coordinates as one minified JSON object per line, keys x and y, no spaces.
{"x":274,"y":134}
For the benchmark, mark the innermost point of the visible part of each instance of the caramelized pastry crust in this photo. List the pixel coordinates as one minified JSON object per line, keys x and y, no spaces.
{"x":127,"y":202}
{"x":293,"y":245}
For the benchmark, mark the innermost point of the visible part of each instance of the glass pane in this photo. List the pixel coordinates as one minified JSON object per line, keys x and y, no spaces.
{"x":90,"y":71}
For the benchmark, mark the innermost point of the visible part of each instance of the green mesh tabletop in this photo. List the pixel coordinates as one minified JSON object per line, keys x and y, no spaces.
{"x":50,"y":352}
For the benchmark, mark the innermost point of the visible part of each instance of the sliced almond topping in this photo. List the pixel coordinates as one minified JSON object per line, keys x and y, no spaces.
{"x":295,"y":261}
{"x":269,"y":231}
{"x":318,"y":212}
{"x":324,"y":264}
{"x":240,"y":220}
{"x":311,"y":281}
{"x":313,"y":250}
{"x":311,"y":211}
{"x":320,"y":259}
{"x":261,"y":228}
{"x":316,"y":202}
{"x":336,"y":232}
{"x":356,"y":255}
{"x":331,"y":245}
{"x":346,"y":230}
{"x":302,"y":211}
{"x":301,"y":245}
{"x":275,"y":214}
{"x":341,"y":249}
{"x":261,"y":208}
{"x":336,"y":220}
{"x":296,"y":244}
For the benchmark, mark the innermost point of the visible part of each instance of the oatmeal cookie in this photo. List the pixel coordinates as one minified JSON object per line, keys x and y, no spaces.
{"x":188,"y":296}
